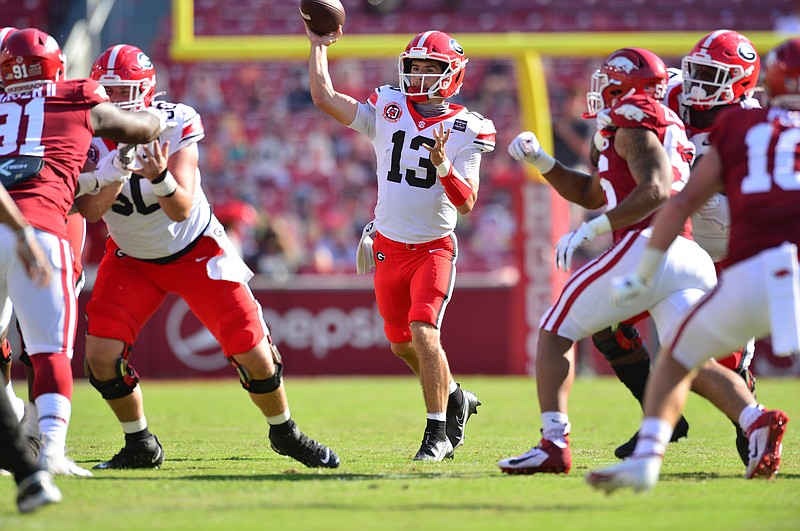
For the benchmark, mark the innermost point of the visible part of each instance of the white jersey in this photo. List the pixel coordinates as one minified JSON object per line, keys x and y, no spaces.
{"x":136,"y":221}
{"x":412,"y":206}
{"x":711,"y":223}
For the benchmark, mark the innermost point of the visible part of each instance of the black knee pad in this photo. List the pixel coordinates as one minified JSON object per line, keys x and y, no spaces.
{"x":614,"y":344}
{"x":258,"y":387}
{"x":121,"y":386}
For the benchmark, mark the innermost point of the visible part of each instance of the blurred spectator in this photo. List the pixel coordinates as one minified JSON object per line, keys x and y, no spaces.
{"x":571,"y":133}
{"x":278,"y":255}
{"x":789,"y":22}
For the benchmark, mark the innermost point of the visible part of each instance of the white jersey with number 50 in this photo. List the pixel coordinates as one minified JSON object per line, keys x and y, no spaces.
{"x":136,"y":221}
{"x":412,"y":206}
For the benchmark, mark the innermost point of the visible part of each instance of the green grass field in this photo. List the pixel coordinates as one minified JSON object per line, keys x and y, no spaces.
{"x":221,"y":474}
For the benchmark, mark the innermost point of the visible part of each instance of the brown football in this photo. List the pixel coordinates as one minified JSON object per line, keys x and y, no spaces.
{"x":322,"y":16}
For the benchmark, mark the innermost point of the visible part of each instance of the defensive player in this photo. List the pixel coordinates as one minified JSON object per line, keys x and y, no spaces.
{"x":35,"y":487}
{"x":48,"y":126}
{"x":721,"y":70}
{"x":753,"y":159}
{"x":643,"y":160}
{"x":428,"y":153}
{"x":164,"y":239}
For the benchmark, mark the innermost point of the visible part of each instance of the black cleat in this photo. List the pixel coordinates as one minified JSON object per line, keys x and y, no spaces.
{"x":298,"y":446}
{"x":147,"y":454}
{"x":433,"y":448}
{"x":742,"y":443}
{"x":457,"y":417}
{"x":624,"y":451}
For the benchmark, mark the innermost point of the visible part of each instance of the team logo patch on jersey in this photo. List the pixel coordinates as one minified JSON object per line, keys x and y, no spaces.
{"x":460,"y":125}
{"x":631,"y":112}
{"x":746,"y":52}
{"x":392,"y":112}
{"x":380,"y":257}
{"x":93,"y":154}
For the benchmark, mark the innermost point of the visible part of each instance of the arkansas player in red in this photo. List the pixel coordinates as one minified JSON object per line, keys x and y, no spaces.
{"x":48,"y":126}
{"x":753,"y":159}
{"x":643,"y":160}
{"x":720,"y":71}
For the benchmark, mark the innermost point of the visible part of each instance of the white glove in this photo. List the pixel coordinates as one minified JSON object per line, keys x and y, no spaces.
{"x":109,"y":170}
{"x":527,"y":147}
{"x":569,"y":242}
{"x":627,"y":288}
{"x":605,"y":129}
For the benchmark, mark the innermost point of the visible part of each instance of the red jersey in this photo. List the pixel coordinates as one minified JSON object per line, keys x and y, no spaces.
{"x":642,"y":111}
{"x":761,"y":174}
{"x":51,"y":122}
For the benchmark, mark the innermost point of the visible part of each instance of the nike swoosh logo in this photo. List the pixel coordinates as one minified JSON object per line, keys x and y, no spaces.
{"x":327,"y":456}
{"x":754,"y":455}
{"x":434,"y":250}
{"x":200,"y":259}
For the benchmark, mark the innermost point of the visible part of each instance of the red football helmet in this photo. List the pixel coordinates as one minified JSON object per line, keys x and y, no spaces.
{"x":433,"y":46}
{"x":29,"y":58}
{"x":721,"y":69}
{"x":5,"y":33}
{"x":782,"y":74}
{"x":624,"y":72}
{"x":127,"y":66}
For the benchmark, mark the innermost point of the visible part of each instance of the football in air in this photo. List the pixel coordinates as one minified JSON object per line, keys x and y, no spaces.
{"x":322,"y":16}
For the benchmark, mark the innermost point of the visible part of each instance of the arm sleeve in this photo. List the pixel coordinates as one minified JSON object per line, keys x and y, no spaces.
{"x":364,"y":122}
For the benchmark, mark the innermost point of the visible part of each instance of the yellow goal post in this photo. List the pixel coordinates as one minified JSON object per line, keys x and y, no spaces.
{"x":526,"y":49}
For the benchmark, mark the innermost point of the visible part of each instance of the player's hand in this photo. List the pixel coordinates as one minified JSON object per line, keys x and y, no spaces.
{"x":323,"y":40}
{"x":570,"y":242}
{"x":110,"y":170}
{"x":153,"y":162}
{"x":437,"y":152}
{"x":525,"y":147}
{"x":627,"y":288}
{"x":37,"y":266}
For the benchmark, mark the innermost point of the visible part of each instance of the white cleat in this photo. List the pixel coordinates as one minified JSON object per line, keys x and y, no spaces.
{"x":61,"y":465}
{"x":637,"y":473}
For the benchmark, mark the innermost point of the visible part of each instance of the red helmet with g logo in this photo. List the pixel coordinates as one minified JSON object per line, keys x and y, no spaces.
{"x":433,"y":46}
{"x":721,"y":69}
{"x":124,"y":65}
{"x":624,"y":72}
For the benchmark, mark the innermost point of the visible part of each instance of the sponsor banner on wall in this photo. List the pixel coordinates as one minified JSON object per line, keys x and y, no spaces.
{"x":325,"y":332}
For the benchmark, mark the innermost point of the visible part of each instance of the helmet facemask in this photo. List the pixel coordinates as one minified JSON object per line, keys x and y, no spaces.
{"x":140,"y":91}
{"x":708,"y":83}
{"x":438,"y":84}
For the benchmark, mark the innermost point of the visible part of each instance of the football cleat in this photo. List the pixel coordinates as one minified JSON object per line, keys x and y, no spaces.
{"x":458,"y":417}
{"x":625,"y":450}
{"x":434,"y":449}
{"x":61,"y":465}
{"x":639,"y":473}
{"x":299,"y":447}
{"x":147,"y":454}
{"x":546,"y":458}
{"x":37,"y":490}
{"x":765,"y":437}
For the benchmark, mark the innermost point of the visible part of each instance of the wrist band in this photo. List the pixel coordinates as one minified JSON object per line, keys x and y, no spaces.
{"x":544,"y":162}
{"x":164,"y":185}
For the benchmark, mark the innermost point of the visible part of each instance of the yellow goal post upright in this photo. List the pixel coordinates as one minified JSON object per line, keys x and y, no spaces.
{"x":544,"y":216}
